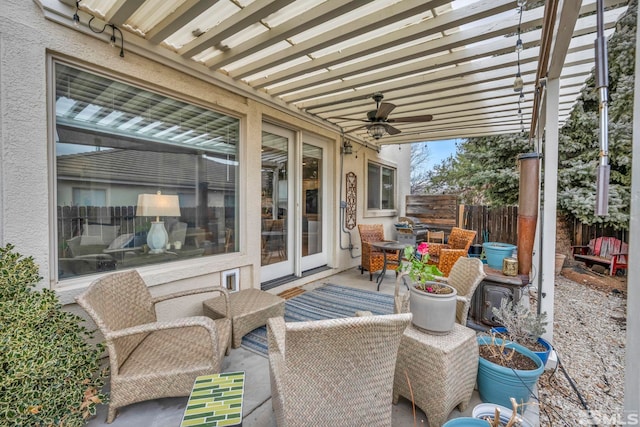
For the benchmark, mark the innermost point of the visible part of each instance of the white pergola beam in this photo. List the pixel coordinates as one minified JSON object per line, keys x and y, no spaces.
{"x":232,"y":25}
{"x":180,"y":17}
{"x":436,"y":25}
{"x":371,"y":22}
{"x":121,"y":11}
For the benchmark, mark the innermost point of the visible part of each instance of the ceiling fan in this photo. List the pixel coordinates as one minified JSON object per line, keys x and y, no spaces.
{"x":378,"y":121}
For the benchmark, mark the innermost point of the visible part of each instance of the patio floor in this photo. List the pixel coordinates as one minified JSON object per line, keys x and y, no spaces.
{"x":257,"y":411}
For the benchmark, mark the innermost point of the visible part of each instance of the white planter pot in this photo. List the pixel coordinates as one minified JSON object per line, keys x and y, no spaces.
{"x":434,"y":313}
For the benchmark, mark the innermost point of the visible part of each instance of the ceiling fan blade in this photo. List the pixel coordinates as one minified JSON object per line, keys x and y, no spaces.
{"x":384,"y":109}
{"x":358,"y":128}
{"x":412,"y":119}
{"x":346,"y":118}
{"x":390,"y":129}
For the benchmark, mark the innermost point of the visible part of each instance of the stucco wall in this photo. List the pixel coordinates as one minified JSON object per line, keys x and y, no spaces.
{"x":28,"y":40}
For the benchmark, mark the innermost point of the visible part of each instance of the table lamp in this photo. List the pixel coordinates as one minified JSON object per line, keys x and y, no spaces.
{"x":157,"y":205}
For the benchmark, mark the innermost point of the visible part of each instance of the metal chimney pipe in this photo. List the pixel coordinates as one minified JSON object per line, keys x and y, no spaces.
{"x":529,"y":164}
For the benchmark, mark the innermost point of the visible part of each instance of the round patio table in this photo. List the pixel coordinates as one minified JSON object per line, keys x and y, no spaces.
{"x":386,"y":247}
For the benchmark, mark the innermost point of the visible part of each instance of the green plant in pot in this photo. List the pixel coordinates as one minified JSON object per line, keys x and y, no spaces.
{"x":506,"y":370}
{"x":523,"y":326}
{"x":432,"y":303}
{"x":49,"y":374}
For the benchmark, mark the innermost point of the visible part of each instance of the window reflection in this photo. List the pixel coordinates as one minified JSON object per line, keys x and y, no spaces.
{"x":114,"y":142}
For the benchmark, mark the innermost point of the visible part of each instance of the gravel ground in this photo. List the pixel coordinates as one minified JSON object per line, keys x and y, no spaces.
{"x":589,"y":337}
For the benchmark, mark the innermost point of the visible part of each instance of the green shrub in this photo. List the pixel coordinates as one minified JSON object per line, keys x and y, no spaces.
{"x":49,"y":373}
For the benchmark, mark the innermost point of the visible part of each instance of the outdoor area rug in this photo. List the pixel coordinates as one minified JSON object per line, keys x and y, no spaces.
{"x":325,"y":302}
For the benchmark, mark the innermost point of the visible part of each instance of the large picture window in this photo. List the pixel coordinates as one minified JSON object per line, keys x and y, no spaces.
{"x":122,"y":151}
{"x":380,"y":187}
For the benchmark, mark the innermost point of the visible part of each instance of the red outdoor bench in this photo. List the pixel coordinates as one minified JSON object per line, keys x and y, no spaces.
{"x":608,"y":251}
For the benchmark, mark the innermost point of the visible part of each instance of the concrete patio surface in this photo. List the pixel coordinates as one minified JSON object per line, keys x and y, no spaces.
{"x":257,"y":410}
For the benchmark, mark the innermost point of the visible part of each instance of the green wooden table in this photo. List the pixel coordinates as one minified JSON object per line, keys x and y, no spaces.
{"x":216,"y":400}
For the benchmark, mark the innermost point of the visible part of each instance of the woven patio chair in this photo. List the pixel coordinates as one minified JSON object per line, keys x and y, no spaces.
{"x":372,"y":259}
{"x":465,"y":276}
{"x":150,"y":359}
{"x":401,"y":301}
{"x":334,"y":372}
{"x":435,"y":237}
{"x":448,"y":258}
{"x":458,"y":239}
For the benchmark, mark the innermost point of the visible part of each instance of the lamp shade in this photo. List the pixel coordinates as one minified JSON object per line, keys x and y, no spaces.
{"x":158,"y":205}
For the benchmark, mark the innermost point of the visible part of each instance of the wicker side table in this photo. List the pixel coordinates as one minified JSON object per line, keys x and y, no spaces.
{"x":442,"y":370}
{"x":250,"y":309}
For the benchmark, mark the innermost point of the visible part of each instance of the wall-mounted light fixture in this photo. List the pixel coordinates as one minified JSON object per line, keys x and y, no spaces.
{"x":347,"y":148}
{"x":112,"y":40}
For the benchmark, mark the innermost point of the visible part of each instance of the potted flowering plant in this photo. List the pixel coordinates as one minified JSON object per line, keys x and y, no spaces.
{"x":419,"y":269}
{"x":432,"y":304}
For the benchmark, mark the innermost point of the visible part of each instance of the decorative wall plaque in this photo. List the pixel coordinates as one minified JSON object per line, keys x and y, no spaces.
{"x":352,"y":193}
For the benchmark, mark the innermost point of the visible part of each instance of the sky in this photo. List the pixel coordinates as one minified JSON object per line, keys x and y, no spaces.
{"x":440,"y":150}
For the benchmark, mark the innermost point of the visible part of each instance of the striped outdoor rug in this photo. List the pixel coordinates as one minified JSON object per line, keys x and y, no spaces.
{"x":326,"y":302}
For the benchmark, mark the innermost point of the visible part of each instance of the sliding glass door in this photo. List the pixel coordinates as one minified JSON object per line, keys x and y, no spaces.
{"x":277,"y":205}
{"x":314,"y":197}
{"x":293,"y":190}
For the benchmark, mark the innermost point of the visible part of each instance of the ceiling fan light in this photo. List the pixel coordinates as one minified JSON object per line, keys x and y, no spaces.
{"x":376,"y":131}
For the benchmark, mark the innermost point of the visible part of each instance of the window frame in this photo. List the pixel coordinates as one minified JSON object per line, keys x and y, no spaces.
{"x":203,"y":264}
{"x":380,"y":212}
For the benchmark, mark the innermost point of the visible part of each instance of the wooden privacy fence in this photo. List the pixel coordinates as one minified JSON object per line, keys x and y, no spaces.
{"x":491,"y":224}
{"x":582,"y":233}
{"x":442,"y":212}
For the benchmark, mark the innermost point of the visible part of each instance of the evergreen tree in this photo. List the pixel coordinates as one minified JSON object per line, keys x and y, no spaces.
{"x":484,"y":170}
{"x":579,"y":139}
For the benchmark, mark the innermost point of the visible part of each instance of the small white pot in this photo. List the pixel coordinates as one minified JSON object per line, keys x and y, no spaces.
{"x":483,"y":410}
{"x":434,"y":313}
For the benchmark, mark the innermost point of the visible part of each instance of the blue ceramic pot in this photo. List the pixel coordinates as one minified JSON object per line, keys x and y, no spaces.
{"x":496,"y":252}
{"x":496,"y":384}
{"x":465,"y":422}
{"x":543,"y":355}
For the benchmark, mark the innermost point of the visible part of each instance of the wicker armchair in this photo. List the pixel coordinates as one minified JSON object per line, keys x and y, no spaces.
{"x":458,"y":239}
{"x":448,"y":258}
{"x":465,"y":276}
{"x":373,"y":259}
{"x":334,"y":372}
{"x":151,"y":359}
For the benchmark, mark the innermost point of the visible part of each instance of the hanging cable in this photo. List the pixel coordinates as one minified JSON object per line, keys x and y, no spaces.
{"x":113,"y":40}
{"x":518,"y":83}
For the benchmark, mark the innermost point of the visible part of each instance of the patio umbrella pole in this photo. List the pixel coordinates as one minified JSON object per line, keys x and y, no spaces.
{"x":602,"y":70}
